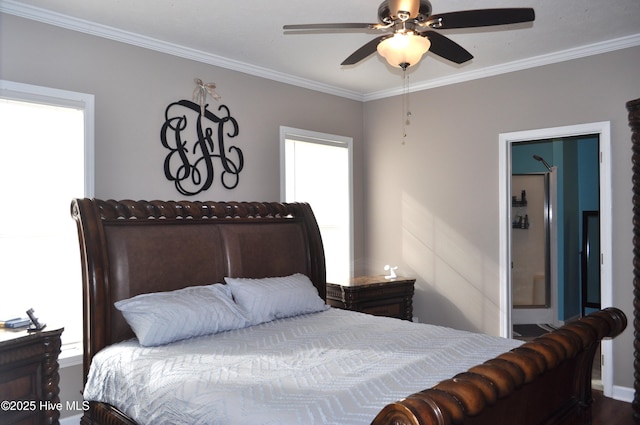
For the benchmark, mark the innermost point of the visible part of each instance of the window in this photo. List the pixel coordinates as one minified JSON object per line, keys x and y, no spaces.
{"x":316,"y":168}
{"x":46,"y":139}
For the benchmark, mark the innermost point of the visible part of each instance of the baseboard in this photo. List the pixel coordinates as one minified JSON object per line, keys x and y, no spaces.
{"x":71,"y":420}
{"x":623,"y":393}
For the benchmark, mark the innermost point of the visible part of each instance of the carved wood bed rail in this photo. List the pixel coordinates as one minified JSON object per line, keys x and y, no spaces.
{"x":545,"y":381}
{"x":133,"y":247}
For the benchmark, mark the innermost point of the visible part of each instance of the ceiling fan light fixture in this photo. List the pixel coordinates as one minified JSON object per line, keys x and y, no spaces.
{"x":403,"y":49}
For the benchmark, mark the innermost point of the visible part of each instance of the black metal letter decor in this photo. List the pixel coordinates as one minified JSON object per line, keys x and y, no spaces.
{"x":195,"y":139}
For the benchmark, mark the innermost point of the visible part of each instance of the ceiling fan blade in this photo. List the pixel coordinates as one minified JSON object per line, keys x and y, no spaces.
{"x":337,"y":26}
{"x":480,"y":18}
{"x":364,"y":51}
{"x":446,"y":48}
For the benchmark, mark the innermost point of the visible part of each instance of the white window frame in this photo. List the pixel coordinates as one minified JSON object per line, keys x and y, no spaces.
{"x":71,"y":352}
{"x":52,"y":96}
{"x":326,"y":139}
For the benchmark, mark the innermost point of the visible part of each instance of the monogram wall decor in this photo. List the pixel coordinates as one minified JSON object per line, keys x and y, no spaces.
{"x":195,"y":138}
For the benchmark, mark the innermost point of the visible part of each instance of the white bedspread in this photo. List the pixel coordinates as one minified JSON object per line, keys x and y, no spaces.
{"x":333,"y":367}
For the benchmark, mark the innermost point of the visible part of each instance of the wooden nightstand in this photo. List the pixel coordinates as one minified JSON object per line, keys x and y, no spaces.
{"x":374,"y":295}
{"x":29,"y":377}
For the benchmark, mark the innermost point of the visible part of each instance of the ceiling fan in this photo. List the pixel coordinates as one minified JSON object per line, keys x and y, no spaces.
{"x":409,"y":31}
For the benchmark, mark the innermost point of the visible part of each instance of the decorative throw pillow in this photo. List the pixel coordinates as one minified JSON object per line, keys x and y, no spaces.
{"x":163,"y":317}
{"x":275,"y":297}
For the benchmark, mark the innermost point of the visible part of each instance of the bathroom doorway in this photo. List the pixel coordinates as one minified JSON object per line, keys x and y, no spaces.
{"x":567,"y":259}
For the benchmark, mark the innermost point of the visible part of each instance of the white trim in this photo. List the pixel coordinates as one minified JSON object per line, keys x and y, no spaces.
{"x":603,"y":129}
{"x":70,"y":361}
{"x":330,"y":139}
{"x":41,"y":15}
{"x":49,"y":95}
{"x":623,"y":393}
{"x":504,"y":228}
{"x":70,"y":355}
{"x":316,"y":137}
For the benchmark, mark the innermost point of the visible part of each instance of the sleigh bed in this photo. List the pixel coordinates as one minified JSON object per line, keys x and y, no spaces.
{"x":272,"y":347}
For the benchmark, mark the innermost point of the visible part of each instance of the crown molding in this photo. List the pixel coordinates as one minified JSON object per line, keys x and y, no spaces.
{"x":63,"y":21}
{"x":533,"y":62}
{"x":41,"y":15}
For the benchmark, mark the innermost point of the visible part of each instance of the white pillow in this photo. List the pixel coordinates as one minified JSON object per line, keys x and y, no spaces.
{"x":275,"y":297}
{"x":163,"y":317}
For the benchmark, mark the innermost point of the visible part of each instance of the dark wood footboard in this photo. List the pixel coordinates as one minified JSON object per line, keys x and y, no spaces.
{"x":545,"y":381}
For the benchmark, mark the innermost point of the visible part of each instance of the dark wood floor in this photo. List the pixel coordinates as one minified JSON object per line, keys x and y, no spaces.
{"x":607,"y":411}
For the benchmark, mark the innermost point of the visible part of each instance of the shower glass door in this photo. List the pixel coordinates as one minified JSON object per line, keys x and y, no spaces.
{"x":530,"y":237}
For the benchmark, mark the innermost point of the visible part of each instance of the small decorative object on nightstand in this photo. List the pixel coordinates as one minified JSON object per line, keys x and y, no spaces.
{"x":29,"y":376}
{"x":375,"y":295}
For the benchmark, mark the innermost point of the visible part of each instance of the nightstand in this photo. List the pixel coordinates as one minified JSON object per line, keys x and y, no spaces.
{"x":374,"y":295}
{"x":29,"y":376}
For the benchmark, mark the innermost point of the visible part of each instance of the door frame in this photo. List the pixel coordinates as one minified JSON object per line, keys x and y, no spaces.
{"x":603,"y":130}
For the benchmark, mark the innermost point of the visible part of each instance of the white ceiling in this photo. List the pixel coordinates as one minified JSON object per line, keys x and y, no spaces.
{"x":247,"y":35}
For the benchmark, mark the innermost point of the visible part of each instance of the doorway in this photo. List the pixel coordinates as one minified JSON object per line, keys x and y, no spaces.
{"x":507,"y":142}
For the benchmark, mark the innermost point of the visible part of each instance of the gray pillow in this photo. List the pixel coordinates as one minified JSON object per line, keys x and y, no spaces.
{"x":275,"y":297}
{"x":163,"y":317}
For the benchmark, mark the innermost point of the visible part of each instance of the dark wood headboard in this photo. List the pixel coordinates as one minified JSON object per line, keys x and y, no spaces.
{"x":134,"y":247}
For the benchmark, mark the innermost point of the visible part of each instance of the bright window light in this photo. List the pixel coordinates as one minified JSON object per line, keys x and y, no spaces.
{"x":42,"y":167}
{"x":317,"y":170}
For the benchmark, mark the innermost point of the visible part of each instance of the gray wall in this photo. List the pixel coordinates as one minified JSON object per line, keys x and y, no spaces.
{"x":443,"y":182}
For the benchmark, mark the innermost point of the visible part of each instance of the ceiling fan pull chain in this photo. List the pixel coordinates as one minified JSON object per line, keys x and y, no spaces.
{"x":406,"y":107}
{"x":408,"y":114}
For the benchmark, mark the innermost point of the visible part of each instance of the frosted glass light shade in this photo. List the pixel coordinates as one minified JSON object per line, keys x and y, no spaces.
{"x":403,"y":50}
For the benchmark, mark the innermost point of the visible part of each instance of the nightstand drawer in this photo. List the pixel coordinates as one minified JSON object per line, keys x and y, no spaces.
{"x":29,"y":376}
{"x":388,"y":310}
{"x":20,"y":383}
